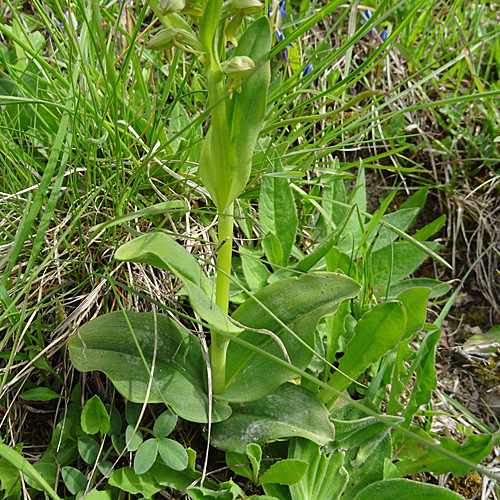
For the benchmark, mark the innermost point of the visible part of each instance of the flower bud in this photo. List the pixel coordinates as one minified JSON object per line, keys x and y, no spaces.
{"x":247,"y":6}
{"x":237,"y":68}
{"x":163,"y":40}
{"x":170,"y":6}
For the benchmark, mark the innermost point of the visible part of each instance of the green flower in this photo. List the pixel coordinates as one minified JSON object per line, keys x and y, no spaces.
{"x":236,"y":69}
{"x":170,"y":6}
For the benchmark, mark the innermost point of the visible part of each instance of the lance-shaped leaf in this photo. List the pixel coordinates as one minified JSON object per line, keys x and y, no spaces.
{"x":160,"y":250}
{"x":226,"y":156}
{"x":376,"y":333}
{"x":299,"y":303}
{"x":107,"y":344}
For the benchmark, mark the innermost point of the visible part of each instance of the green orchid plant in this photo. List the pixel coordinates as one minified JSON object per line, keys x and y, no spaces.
{"x":243,"y":385}
{"x":255,"y":350}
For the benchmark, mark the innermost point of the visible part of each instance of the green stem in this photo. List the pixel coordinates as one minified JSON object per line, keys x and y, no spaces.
{"x":219,"y":343}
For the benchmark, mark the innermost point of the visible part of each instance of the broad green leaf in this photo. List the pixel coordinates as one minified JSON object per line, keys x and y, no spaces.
{"x":352,"y":231}
{"x":399,"y":371}
{"x":288,"y":471}
{"x":414,"y":301}
{"x":334,"y":191}
{"x":289,"y":411}
{"x":405,"y":258}
{"x":106,"y":344}
{"x":277,"y":212}
{"x":474,"y":450}
{"x":40,"y":394}
{"x":173,"y":454}
{"x":353,"y":429}
{"x":246,"y":110}
{"x":198,"y":493}
{"x":160,"y":250}
{"x":164,"y":424}
{"x":376,"y":333}
{"x":367,"y":468}
{"x":94,"y":417}
{"x":179,"y":120}
{"x":74,"y":480}
{"x":390,"y":489}
{"x":145,"y":456}
{"x":276,"y":491}
{"x":417,"y":199}
{"x":299,"y":302}
{"x":255,"y":272}
{"x":99,"y":495}
{"x":438,"y":288}
{"x":375,"y":219}
{"x":366,"y":442}
{"x":208,"y":26}
{"x":325,"y":478}
{"x":115,"y":421}
{"x":127,"y":480}
{"x":180,"y":480}
{"x":88,"y":449}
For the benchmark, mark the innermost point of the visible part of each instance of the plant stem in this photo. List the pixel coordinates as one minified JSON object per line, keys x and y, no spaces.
{"x":224,"y":255}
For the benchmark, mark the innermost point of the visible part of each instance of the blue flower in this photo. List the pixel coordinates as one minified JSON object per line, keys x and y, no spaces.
{"x":284,"y":52}
{"x":307,"y":69}
{"x":368,"y":14}
{"x":372,"y":33}
{"x":282,"y":10}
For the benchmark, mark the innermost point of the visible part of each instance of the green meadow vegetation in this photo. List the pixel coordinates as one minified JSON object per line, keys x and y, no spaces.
{"x":236,"y":237}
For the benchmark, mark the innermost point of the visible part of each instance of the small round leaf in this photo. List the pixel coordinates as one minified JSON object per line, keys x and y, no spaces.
{"x":173,"y":453}
{"x":136,"y":440}
{"x":164,"y":424}
{"x":74,"y":480}
{"x":145,"y":456}
{"x":88,"y":449}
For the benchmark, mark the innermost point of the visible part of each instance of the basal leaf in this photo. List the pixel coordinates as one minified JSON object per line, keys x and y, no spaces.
{"x":299,"y":302}
{"x":400,"y":259}
{"x":425,"y":383}
{"x":106,"y":344}
{"x":390,"y":489}
{"x":291,"y":410}
{"x":414,"y":301}
{"x":160,"y":250}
